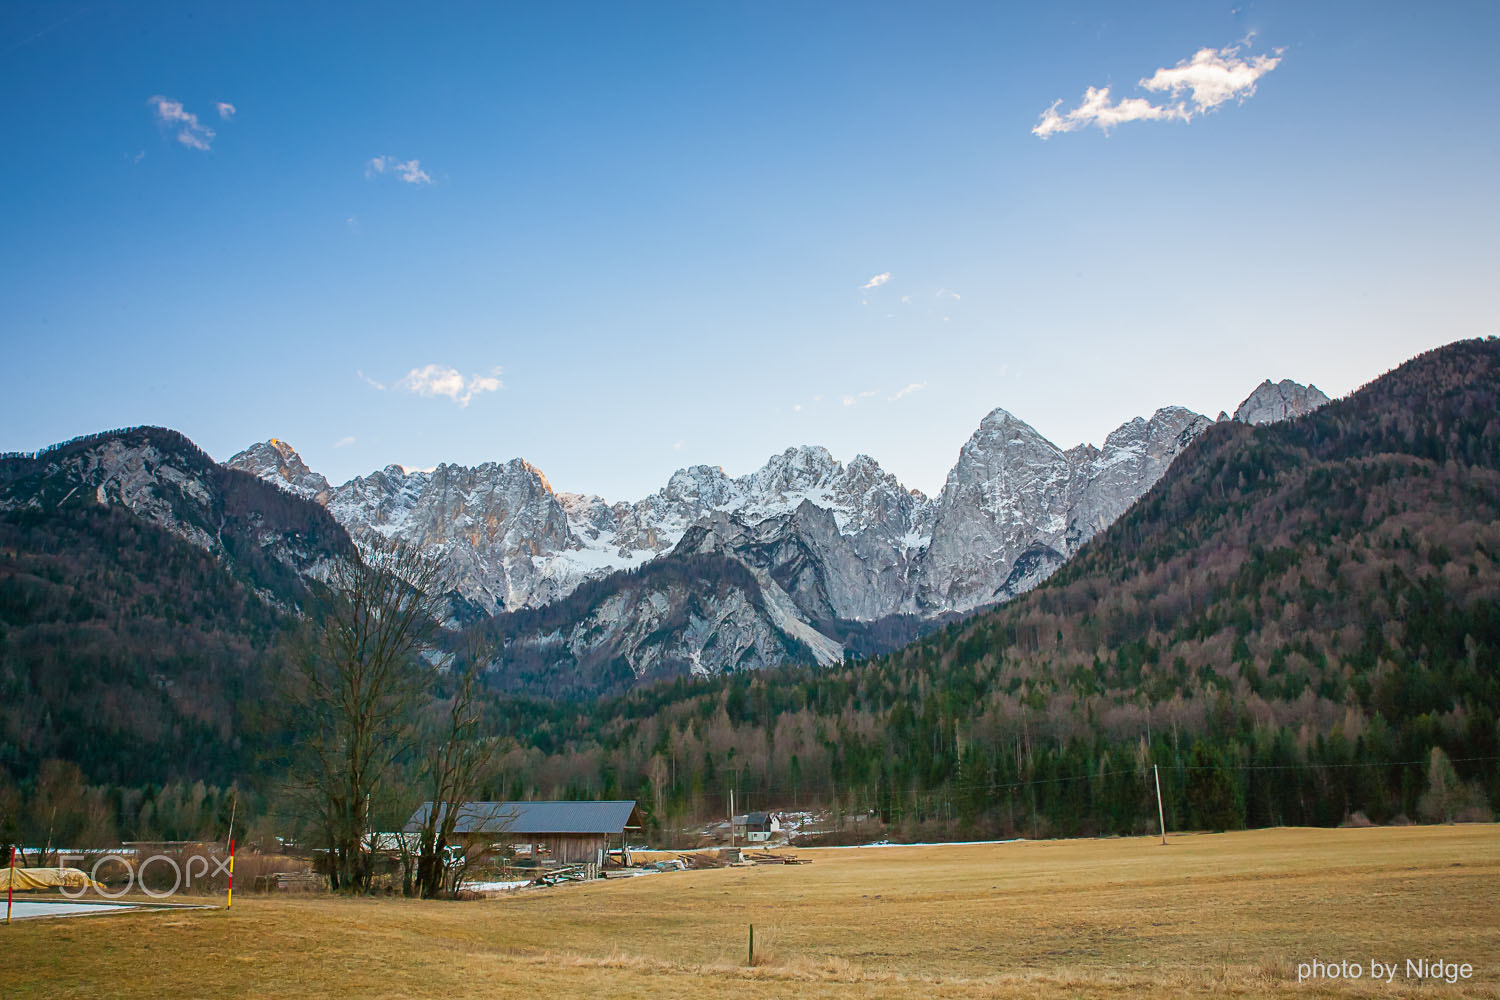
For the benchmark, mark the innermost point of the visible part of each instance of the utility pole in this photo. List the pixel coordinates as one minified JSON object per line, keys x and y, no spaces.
{"x":1161,"y":817}
{"x":731,"y":817}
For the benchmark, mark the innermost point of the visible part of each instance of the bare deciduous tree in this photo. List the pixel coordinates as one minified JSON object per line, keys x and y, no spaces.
{"x":355,"y":683}
{"x":456,"y":761}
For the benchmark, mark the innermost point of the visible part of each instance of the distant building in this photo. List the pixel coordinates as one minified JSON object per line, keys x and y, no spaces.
{"x":572,"y":832}
{"x":757,"y":827}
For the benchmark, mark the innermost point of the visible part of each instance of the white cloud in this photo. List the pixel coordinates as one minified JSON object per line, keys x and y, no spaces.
{"x":913,"y":387}
{"x":409,"y":171}
{"x":226,"y":110}
{"x":948,"y":293}
{"x":438,"y":380}
{"x":190,"y":131}
{"x":378,"y":385}
{"x":1097,"y":109}
{"x":876,"y":281}
{"x":906,"y":300}
{"x":1210,"y":78}
{"x":676,"y":445}
{"x":796,"y":407}
{"x":344,"y":442}
{"x":1213,"y":76}
{"x":849,"y":400}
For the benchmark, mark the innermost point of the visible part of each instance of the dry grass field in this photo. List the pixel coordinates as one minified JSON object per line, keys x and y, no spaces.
{"x":1208,"y":915}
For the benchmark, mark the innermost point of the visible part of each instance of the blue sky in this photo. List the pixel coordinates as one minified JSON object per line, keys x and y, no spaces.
{"x":619,"y":240}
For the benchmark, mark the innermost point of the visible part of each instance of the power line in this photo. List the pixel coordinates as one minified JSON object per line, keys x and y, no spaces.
{"x":948,"y":788}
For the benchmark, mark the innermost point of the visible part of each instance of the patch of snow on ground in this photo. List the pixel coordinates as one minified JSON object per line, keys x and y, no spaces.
{"x":495,"y":886}
{"x":939,"y":843}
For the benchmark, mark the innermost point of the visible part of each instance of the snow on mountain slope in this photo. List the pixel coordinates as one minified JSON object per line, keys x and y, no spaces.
{"x":513,"y":542}
{"x":827,"y":541}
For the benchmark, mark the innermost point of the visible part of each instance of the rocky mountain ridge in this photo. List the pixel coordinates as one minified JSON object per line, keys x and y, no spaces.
{"x":831,"y":546}
{"x":161,"y":477}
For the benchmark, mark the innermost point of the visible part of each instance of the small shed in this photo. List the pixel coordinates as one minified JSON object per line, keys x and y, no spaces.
{"x":573,"y":832}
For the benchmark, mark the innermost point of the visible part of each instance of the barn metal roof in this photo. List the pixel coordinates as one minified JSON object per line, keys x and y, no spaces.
{"x":538,"y":817}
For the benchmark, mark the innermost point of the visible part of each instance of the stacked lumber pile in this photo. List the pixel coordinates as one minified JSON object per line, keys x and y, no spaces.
{"x":767,"y":858}
{"x":703,"y":861}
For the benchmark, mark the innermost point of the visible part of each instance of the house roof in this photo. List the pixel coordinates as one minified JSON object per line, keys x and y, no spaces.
{"x":753,"y":819}
{"x":614,"y":816}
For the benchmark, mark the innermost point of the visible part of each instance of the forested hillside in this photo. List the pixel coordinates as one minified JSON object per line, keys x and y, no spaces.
{"x":142,"y":590}
{"x":1289,"y":623}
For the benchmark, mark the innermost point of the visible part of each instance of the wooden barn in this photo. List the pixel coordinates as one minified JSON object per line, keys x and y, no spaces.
{"x":572,"y":832}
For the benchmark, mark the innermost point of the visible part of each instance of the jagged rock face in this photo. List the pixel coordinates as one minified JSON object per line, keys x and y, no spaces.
{"x":1284,"y":400}
{"x":829,"y":542}
{"x":1135,"y":455}
{"x":698,"y":614}
{"x":1008,"y":492}
{"x":709,"y":634}
{"x":498,"y":526}
{"x":276,"y":461}
{"x":827,"y":574}
{"x":1016,"y":506}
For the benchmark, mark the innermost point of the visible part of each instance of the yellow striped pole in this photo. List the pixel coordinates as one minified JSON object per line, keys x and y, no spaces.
{"x":233,"y":808}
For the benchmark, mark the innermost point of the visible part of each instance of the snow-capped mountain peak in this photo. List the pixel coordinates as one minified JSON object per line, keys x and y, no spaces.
{"x":276,"y":461}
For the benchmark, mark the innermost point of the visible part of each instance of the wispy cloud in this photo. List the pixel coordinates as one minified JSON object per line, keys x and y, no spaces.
{"x":913,"y":387}
{"x":172,"y":115}
{"x":856,"y":397}
{"x":676,"y":445}
{"x":370,"y":381}
{"x":226,"y":110}
{"x":1098,"y":109}
{"x":876,"y":281}
{"x":409,"y":171}
{"x":1210,"y":78}
{"x":948,"y":293}
{"x":439,"y":380}
{"x":344,"y":442}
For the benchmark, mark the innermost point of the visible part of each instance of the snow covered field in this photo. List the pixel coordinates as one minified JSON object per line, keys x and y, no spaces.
{"x":23,"y":909}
